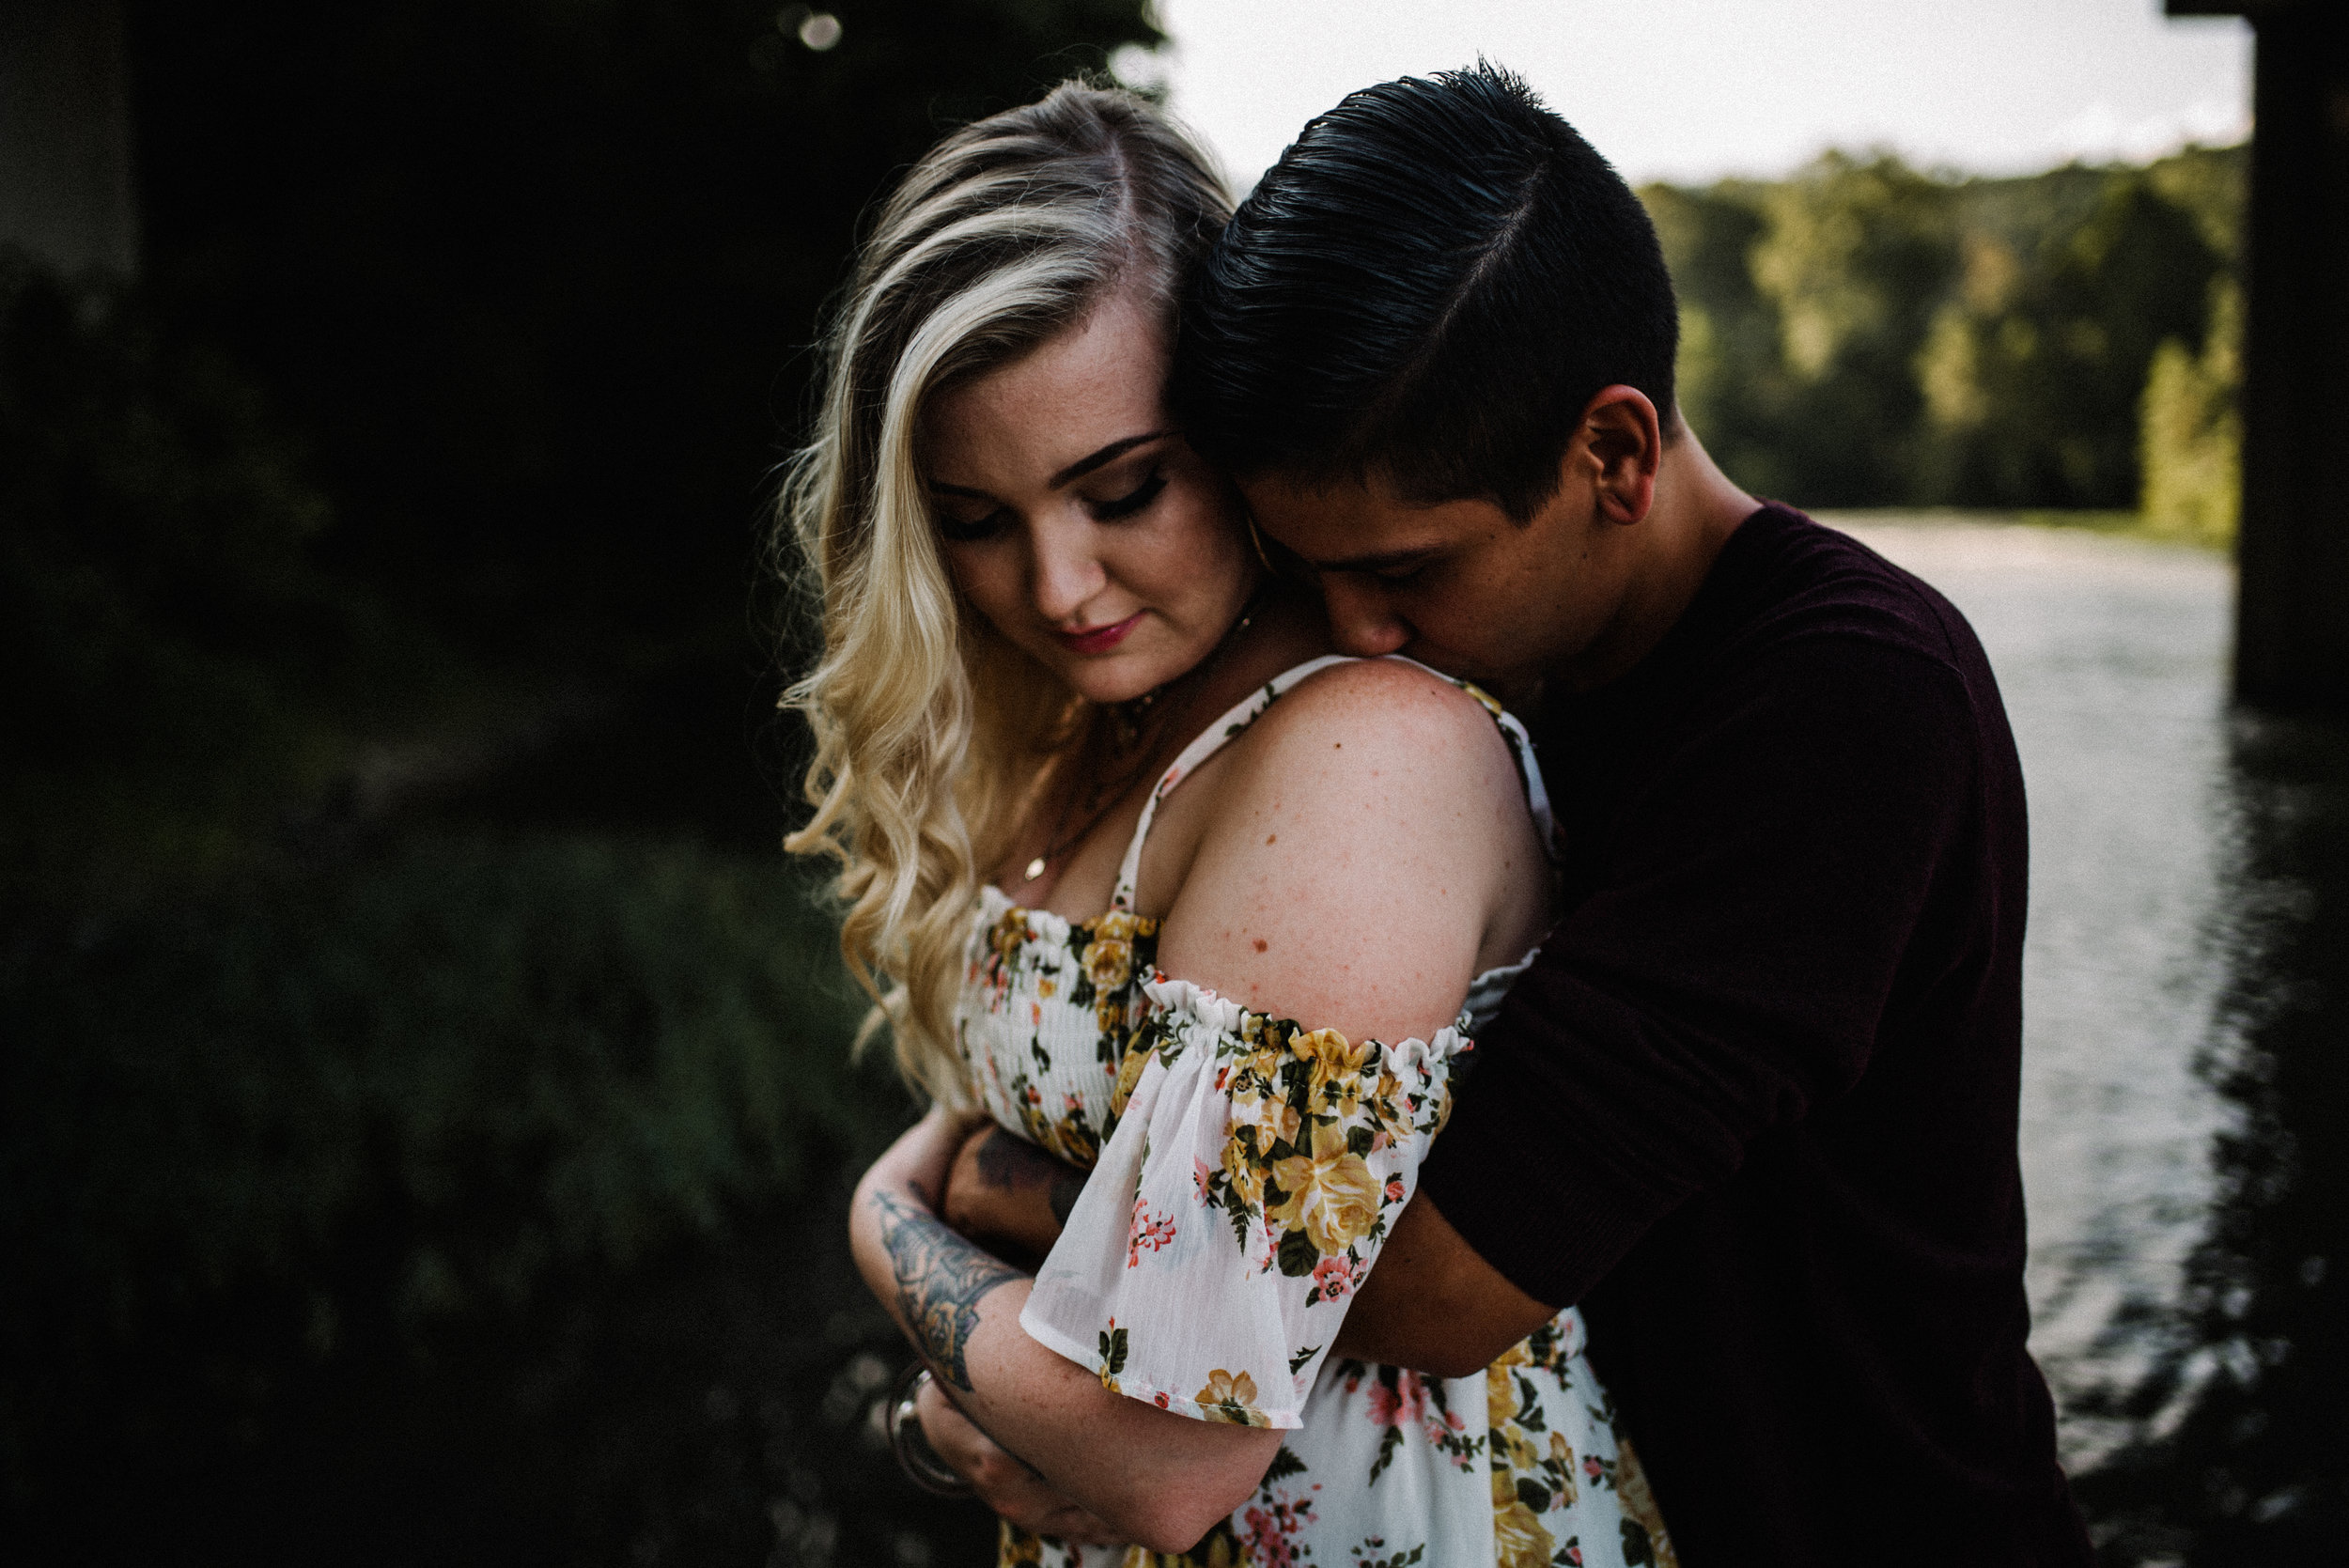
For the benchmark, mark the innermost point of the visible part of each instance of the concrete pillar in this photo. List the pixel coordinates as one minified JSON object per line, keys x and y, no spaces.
{"x":65,"y":135}
{"x":2291,"y":643}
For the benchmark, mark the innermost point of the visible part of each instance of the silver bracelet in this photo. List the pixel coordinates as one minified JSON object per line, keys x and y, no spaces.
{"x":921,"y":1463}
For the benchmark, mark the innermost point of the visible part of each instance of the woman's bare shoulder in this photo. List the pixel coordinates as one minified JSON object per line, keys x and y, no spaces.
{"x":1384,"y":707}
{"x":1360,"y":842}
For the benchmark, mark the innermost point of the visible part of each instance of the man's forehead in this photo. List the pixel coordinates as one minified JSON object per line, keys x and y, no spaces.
{"x":1348,"y":524}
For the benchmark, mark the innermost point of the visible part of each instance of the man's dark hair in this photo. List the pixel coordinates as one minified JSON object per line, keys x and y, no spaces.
{"x":1429,"y":286}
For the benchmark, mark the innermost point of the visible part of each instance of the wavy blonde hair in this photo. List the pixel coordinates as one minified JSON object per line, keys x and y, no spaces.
{"x":932,"y":732}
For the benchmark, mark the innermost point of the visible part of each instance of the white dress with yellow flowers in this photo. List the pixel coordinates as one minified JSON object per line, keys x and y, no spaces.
{"x":1246,"y":1172}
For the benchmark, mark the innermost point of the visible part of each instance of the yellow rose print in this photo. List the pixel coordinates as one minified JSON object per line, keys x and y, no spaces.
{"x":1109,"y":963}
{"x":1241,"y":1166}
{"x":1331,"y":1194}
{"x":1562,"y":1456}
{"x":1230,"y":1398}
{"x":1129,"y":1078}
{"x":1334,"y":1059}
{"x":1518,"y":1539}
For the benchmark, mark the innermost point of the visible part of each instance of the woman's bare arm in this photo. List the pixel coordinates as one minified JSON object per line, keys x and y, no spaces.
{"x":1154,"y":1477}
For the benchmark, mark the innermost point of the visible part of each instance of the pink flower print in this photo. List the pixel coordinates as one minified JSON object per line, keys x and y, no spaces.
{"x":1036,"y":1015}
{"x":1334,"y":1277}
{"x":1591,"y":1466}
{"x":1200,"y":1173}
{"x":1160,"y":1401}
{"x":1269,"y":1530}
{"x":1146,"y":1234}
{"x":1574,"y":1554}
{"x":1404,"y":1403}
{"x":1395,"y":1190}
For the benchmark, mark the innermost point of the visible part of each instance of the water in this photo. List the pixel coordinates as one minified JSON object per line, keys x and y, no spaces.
{"x":2186,"y":1009}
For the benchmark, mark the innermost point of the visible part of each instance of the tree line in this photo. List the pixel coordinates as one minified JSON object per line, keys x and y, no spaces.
{"x":1863,"y":334}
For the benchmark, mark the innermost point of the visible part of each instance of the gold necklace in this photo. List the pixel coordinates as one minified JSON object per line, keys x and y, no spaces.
{"x":1130,"y":716}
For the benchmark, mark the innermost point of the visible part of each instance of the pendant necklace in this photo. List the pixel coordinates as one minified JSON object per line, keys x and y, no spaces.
{"x":1130,"y":717}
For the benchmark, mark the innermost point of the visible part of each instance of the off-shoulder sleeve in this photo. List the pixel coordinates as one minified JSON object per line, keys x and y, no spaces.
{"x":1243,"y":1197}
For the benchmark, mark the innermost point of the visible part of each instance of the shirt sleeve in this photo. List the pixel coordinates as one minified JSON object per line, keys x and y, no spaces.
{"x":1755,"y":903}
{"x":1245,"y":1193}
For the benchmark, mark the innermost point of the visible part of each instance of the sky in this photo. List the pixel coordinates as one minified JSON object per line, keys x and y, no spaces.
{"x":1691,"y":91}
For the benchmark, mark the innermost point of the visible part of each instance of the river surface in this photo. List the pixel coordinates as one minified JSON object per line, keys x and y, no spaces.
{"x":2186,"y":1023}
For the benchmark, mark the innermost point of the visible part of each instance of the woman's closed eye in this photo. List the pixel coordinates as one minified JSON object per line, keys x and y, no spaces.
{"x":1132,"y":501}
{"x":963,"y":531}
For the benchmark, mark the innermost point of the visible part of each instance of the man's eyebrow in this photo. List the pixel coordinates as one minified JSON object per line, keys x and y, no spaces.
{"x":1109,"y":454}
{"x":1384,"y":561}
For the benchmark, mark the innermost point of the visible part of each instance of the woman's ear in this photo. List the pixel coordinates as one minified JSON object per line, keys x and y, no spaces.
{"x":1624,"y":441}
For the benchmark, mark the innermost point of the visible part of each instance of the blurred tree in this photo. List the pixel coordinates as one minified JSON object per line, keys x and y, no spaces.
{"x":2035,"y":369}
{"x":1853,"y":257}
{"x":1864,"y":334}
{"x":1732,"y":382}
{"x":2191,"y":434}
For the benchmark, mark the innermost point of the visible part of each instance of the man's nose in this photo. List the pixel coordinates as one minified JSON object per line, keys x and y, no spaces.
{"x":1361,"y":620}
{"x":1068,"y":573}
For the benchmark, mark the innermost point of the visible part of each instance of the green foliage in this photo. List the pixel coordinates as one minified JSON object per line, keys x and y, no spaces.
{"x":1850,"y":257}
{"x":1863,"y":335}
{"x":516,"y":1055}
{"x":2191,"y":433}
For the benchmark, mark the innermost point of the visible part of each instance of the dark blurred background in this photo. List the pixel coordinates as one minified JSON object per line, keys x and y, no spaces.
{"x":423,"y":1109}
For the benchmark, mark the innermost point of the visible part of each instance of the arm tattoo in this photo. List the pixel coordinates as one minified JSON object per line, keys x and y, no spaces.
{"x":1006,"y":1162}
{"x":1066,"y":1189}
{"x":940,"y":1280}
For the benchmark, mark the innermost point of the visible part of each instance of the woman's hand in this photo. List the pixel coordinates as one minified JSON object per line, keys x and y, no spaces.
{"x":1009,"y":1195}
{"x":1157,"y":1479}
{"x":1005,"y":1484}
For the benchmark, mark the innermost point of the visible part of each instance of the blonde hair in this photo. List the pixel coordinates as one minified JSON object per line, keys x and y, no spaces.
{"x":931,"y":730}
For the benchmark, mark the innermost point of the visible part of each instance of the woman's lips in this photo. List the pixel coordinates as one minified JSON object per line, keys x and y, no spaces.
{"x":1099,"y":639}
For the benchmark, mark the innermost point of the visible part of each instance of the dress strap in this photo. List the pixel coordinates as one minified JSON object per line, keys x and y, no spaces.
{"x":1235,"y":721}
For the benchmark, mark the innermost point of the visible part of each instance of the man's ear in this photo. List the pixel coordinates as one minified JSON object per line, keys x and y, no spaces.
{"x":1622,"y":441}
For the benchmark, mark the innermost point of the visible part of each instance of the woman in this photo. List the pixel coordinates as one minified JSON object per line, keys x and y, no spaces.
{"x":1042,"y":616}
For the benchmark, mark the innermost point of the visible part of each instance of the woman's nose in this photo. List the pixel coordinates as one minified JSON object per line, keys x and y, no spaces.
{"x":1067,"y":571}
{"x":1361,"y":620}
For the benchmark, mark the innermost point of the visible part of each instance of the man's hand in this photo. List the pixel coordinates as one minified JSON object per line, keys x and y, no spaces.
{"x":1433,"y":1304}
{"x":1005,"y":1484}
{"x":1009,"y":1195}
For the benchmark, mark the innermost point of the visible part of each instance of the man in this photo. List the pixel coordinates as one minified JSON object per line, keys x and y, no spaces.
{"x":1755,"y":1107}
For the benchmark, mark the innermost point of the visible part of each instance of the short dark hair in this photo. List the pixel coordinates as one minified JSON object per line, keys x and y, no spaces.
{"x":1429,"y":286}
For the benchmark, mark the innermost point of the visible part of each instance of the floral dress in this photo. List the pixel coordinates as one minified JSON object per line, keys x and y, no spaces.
{"x":1246,"y":1172}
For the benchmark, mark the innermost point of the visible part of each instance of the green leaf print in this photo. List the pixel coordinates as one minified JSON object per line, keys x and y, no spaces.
{"x":1297,"y":1255}
{"x":1284,"y":1465}
{"x":1113,"y":1350}
{"x":1637,"y":1549}
{"x":1400,"y":1559}
{"x":1534,"y":1494}
{"x":1301,"y":1358}
{"x":1390,"y":1444}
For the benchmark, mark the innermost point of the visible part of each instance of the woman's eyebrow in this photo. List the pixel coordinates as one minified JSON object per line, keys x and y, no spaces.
{"x":1110,"y":452}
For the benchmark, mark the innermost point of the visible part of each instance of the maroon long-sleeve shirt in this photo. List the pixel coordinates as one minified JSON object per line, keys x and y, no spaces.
{"x":1754,"y":1105}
